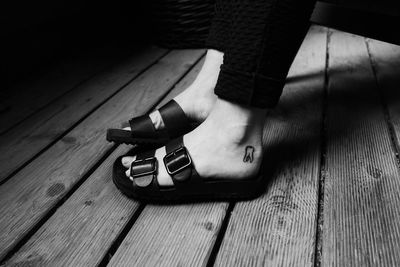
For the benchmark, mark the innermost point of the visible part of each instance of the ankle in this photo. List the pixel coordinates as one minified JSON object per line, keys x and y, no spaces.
{"x":231,"y":113}
{"x":207,"y":78}
{"x":196,"y":105}
{"x":237,"y":124}
{"x":214,"y":56}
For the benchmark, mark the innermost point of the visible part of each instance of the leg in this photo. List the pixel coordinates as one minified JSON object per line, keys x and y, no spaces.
{"x":198,"y":99}
{"x":219,"y":30}
{"x":265,"y":39}
{"x":203,"y":87}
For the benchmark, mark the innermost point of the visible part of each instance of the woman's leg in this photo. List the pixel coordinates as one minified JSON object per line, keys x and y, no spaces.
{"x":198,"y":99}
{"x":265,"y":37}
{"x":220,"y":25}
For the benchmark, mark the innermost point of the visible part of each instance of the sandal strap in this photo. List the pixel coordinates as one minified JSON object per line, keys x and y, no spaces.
{"x":144,"y":169}
{"x":142,"y":126}
{"x":178,"y":163}
{"x":175,"y":120}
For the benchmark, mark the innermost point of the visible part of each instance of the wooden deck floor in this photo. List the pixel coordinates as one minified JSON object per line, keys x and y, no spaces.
{"x":331,"y":147}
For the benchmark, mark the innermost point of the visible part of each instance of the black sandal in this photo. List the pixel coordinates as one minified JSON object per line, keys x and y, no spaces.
{"x":188,"y":184}
{"x":143,"y":131}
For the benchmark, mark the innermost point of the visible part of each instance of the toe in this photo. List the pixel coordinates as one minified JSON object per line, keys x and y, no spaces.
{"x":127,"y":161}
{"x":157,"y":120}
{"x":163,"y":177}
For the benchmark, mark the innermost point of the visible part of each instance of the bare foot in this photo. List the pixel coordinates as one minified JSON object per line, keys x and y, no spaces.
{"x":222,"y":146}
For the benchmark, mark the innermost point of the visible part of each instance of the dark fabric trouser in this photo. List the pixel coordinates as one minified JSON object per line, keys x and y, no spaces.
{"x":260,"y":39}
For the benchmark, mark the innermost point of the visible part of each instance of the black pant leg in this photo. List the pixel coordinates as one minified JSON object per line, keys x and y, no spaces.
{"x":219,"y":29}
{"x":264,"y":37}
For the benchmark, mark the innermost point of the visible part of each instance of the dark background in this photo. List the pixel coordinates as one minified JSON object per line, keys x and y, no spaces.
{"x":37,"y":33}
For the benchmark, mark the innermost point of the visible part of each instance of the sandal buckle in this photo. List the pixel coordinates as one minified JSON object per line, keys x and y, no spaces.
{"x":141,"y":171}
{"x":177,"y":160}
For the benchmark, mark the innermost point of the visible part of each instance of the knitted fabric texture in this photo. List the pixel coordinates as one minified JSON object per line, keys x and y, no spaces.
{"x":220,"y":25}
{"x":260,"y":40}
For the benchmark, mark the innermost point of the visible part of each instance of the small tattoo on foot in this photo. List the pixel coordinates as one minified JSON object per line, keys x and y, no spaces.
{"x":249,"y":154}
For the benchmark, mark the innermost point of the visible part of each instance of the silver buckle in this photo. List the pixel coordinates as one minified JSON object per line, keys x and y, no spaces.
{"x":153,"y":160}
{"x":167,"y":160}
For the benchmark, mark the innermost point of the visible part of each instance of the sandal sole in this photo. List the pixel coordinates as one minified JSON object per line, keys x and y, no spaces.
{"x":240,"y":190}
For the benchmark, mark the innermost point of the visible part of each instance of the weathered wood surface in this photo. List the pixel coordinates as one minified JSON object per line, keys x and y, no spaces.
{"x":40,"y":185}
{"x":84,"y":227}
{"x":172,"y":236}
{"x":97,"y":213}
{"x":386,"y":63}
{"x":26,"y":140}
{"x":361,"y":178}
{"x":279,"y":228}
{"x":362,"y":184}
{"x":24,"y":99}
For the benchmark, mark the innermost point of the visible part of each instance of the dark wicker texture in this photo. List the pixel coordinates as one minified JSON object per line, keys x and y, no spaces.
{"x":182,"y":23}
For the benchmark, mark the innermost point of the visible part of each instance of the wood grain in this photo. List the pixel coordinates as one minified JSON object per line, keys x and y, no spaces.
{"x":171,"y":236}
{"x":85,"y":226}
{"x":386,"y":62}
{"x":361,"y":201}
{"x":25,"y":98}
{"x":39,"y":186}
{"x":26,"y":140}
{"x":279,"y":228}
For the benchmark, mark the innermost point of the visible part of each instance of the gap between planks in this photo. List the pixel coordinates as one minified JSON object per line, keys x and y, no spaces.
{"x":323,"y":147}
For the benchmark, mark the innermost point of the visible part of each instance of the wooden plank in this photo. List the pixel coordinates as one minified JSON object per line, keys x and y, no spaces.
{"x":361,"y":201}
{"x":25,"y":98}
{"x":26,"y":140}
{"x":366,"y":19}
{"x":84,"y":227}
{"x":279,"y":228}
{"x":386,"y":62}
{"x":89,"y":221}
{"x":37,"y":188}
{"x":172,"y":236}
